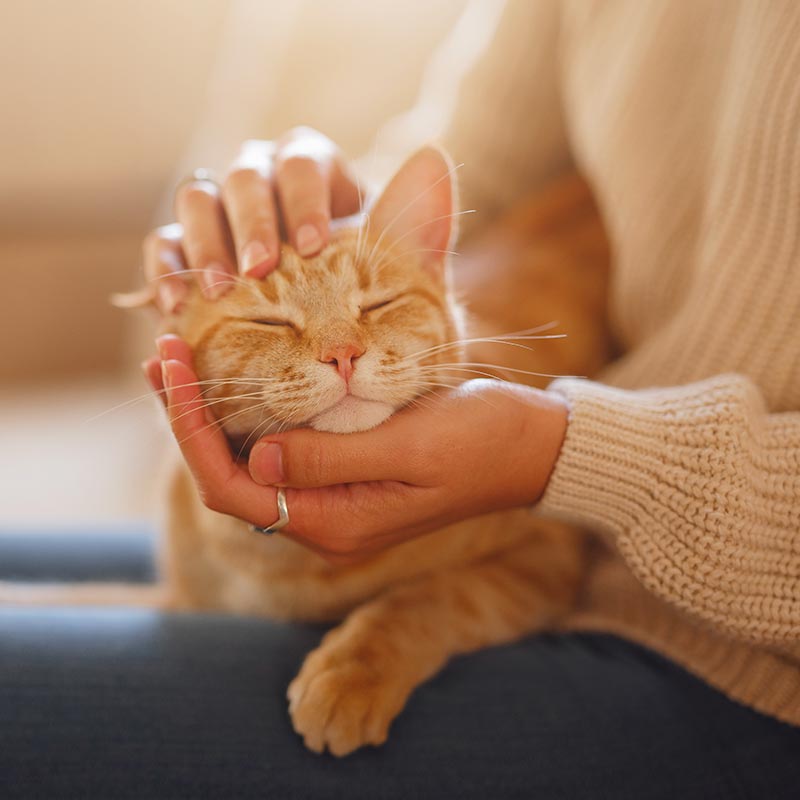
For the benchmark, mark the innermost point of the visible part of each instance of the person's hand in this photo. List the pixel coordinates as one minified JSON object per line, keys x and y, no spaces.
{"x":485,"y":446}
{"x":294,"y":185}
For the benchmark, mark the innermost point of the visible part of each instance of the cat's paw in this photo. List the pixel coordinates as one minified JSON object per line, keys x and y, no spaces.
{"x":343,"y":704}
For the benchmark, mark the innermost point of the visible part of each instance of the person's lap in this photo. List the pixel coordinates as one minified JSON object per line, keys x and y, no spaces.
{"x":125,"y":703}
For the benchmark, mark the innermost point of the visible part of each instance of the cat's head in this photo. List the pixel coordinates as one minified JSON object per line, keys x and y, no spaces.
{"x":340,"y":341}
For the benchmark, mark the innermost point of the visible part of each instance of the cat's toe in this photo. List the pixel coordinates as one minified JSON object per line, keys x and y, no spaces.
{"x":342,"y":708}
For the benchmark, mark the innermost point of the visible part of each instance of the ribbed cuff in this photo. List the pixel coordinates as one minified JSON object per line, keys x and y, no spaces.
{"x":630,"y":456}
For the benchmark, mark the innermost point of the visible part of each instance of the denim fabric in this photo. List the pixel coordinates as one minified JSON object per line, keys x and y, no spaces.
{"x":117,"y":704}
{"x":123,"y":554}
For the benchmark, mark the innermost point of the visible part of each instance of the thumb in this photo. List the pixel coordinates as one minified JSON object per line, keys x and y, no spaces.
{"x":304,"y":459}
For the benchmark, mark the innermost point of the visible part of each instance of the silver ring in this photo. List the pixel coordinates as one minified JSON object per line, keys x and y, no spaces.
{"x":201,"y":175}
{"x":283,"y":517}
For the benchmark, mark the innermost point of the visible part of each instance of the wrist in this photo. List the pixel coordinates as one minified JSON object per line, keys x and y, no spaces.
{"x":535,"y":434}
{"x":552,"y":422}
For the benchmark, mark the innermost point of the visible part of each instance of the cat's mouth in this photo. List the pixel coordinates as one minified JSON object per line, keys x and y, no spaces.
{"x":351,"y":414}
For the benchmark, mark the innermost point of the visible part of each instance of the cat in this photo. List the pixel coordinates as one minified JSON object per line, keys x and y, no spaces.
{"x":270,"y":354}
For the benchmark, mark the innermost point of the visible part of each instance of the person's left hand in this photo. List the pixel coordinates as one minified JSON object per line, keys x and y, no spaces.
{"x":484,"y":446}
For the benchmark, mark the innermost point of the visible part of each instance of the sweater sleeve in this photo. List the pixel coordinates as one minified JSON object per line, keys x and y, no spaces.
{"x":699,"y":486}
{"x":508,"y":125}
{"x":698,"y":483}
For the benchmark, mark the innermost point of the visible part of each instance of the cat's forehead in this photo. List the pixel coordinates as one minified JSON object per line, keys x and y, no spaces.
{"x":336,"y":265}
{"x":348,"y":268}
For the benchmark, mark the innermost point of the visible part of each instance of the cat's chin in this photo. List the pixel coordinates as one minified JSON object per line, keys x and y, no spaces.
{"x":352,"y":414}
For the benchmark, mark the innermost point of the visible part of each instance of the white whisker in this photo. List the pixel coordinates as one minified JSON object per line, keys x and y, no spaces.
{"x":523,"y":335}
{"x":465,"y":365}
{"x":229,"y":277}
{"x":382,"y":265}
{"x":218,"y":400}
{"x":419,"y":227}
{"x":219,"y":423}
{"x":213,"y":383}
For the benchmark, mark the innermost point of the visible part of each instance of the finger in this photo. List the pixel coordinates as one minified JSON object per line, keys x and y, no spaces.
{"x":250,"y":206}
{"x":206,"y":240}
{"x":308,"y":459}
{"x":347,"y":194}
{"x":151,"y":368}
{"x":224,"y":485}
{"x":342,"y":523}
{"x":172,"y":348}
{"x":164,"y":267}
{"x":354,"y":521}
{"x":192,"y":423}
{"x":303,"y":163}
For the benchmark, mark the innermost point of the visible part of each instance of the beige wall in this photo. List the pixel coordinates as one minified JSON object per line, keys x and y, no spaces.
{"x":104,"y":104}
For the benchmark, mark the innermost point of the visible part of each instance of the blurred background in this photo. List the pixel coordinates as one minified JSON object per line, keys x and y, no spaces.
{"x":105,"y":106}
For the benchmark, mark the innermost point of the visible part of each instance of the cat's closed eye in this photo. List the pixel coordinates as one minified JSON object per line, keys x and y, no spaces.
{"x":277,"y":323}
{"x":381,"y":304}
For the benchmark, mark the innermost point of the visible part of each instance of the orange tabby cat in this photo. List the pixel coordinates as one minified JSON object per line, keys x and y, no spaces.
{"x":375,"y":307}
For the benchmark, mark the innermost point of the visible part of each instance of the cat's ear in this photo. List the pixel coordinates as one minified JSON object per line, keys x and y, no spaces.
{"x":416,"y":212}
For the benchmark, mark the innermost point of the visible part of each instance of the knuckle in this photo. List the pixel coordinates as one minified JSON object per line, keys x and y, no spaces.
{"x":160,"y":255}
{"x":202,"y":248}
{"x":309,"y":143}
{"x":262,"y":228}
{"x":193,"y":196}
{"x":171,"y":232}
{"x":210,"y":497}
{"x":155,"y":241}
{"x":163,"y":236}
{"x":292,"y":164}
{"x":312,"y":464}
{"x":239,"y":178}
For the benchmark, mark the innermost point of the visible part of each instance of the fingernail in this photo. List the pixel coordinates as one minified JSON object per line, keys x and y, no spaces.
{"x":216,"y":281}
{"x":172,"y":295}
{"x":253,"y":256}
{"x":267,"y":459}
{"x":308,"y":240}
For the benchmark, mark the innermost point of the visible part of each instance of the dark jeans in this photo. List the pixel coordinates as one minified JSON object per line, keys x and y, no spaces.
{"x":118,"y":704}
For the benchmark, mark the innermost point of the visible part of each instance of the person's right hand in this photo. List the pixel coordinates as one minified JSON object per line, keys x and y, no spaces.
{"x":292,"y":187}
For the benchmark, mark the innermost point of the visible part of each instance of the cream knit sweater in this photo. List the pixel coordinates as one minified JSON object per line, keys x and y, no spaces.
{"x":685,"y":455}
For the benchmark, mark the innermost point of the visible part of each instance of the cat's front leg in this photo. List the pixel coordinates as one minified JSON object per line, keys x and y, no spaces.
{"x":347,"y":693}
{"x":350,"y":689}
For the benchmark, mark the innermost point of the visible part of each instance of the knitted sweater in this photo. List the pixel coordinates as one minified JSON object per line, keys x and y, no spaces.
{"x":685,"y":454}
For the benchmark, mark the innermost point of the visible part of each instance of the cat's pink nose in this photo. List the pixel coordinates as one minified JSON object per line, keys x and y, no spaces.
{"x":342,"y":357}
